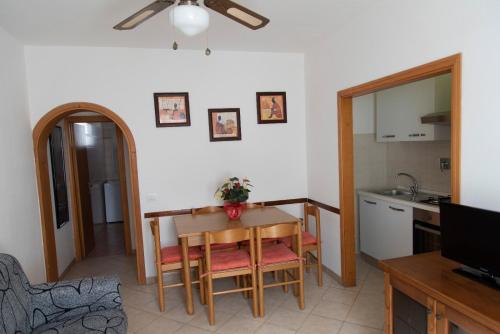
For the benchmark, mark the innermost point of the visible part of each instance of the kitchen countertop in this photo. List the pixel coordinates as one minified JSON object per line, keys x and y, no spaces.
{"x":402,"y":201}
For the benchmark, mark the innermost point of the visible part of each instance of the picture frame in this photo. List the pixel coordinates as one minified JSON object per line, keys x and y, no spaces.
{"x":271,"y":107}
{"x":172,"y":109}
{"x":59,"y":185}
{"x":224,"y":124}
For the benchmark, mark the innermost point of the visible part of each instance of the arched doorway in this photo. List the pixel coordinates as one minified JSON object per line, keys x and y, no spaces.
{"x":41,"y":134}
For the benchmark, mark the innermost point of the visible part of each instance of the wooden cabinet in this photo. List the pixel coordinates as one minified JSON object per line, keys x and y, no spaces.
{"x":399,"y":109}
{"x":424,"y":295}
{"x":386,"y":228}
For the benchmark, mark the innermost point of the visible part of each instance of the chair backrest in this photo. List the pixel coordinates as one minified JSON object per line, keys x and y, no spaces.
{"x":16,"y":308}
{"x":293,"y":230}
{"x":311,"y":210}
{"x":155,"y":229}
{"x":205,"y":210}
{"x":228,"y":236}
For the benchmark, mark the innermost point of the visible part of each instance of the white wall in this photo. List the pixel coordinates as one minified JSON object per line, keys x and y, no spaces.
{"x":398,"y":35}
{"x":20,"y":232}
{"x":180,"y":167}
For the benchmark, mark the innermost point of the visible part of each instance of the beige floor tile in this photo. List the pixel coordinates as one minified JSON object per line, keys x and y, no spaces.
{"x":368,"y":310}
{"x":340,"y":296}
{"x":348,"y":328}
{"x":273,"y":329}
{"x":188,"y":329}
{"x":232,"y":303}
{"x":200,"y":320}
{"x":374,"y":282}
{"x":320,"y":325}
{"x":138,"y":319}
{"x":332,"y":310}
{"x":179,"y":314}
{"x":287,"y":318}
{"x":240,"y":325}
{"x":292,"y":303}
{"x":161,"y":326}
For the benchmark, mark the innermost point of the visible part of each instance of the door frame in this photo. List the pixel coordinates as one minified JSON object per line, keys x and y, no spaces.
{"x":41,"y":134}
{"x":69,"y":123}
{"x":451,"y":64}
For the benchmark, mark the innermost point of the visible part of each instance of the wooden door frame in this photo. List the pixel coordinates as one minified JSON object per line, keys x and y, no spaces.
{"x":41,"y":134}
{"x":451,"y":65}
{"x":69,"y":123}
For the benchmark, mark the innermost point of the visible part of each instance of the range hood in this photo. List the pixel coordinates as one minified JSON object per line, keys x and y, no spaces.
{"x":438,"y":118}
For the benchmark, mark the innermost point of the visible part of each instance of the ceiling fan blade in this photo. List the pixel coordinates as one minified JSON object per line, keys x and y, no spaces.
{"x":238,"y":13}
{"x":147,"y":12}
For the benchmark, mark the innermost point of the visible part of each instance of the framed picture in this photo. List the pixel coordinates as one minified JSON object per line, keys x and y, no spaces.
{"x":59,"y":176}
{"x":224,"y":124}
{"x":271,"y":107}
{"x":172,"y":109}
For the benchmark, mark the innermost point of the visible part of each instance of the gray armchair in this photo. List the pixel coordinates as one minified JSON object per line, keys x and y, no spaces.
{"x":89,"y":305}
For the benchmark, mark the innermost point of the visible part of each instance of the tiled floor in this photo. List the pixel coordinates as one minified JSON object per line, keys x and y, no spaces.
{"x":109,"y":240}
{"x":329,"y":310}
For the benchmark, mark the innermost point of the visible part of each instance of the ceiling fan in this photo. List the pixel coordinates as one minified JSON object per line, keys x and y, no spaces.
{"x":196,"y":16}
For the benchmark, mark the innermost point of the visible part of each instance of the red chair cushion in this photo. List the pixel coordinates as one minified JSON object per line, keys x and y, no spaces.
{"x":217,"y":247}
{"x":307,"y":239}
{"x":230,"y":260}
{"x":277,"y":254}
{"x":173,"y":254}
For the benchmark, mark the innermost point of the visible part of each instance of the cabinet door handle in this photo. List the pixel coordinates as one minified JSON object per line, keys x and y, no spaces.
{"x":414,"y":135}
{"x":439,"y":316}
{"x":423,"y":135}
{"x":429,"y":311}
{"x":396,"y":209}
{"x":370,"y":202}
{"x":388,"y":136}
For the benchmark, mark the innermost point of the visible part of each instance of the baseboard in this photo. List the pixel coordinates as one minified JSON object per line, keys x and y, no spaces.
{"x":370,"y":259}
{"x":68,"y":268}
{"x":329,"y":272}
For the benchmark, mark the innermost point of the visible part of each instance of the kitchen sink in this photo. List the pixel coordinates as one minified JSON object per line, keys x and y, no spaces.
{"x":394,"y":192}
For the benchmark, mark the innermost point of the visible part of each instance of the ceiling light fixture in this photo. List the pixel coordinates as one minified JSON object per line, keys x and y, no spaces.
{"x":189,"y":17}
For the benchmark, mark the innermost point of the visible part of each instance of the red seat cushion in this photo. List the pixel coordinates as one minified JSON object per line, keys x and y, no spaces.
{"x":277,"y":254}
{"x":230,"y":260}
{"x":307,"y":239}
{"x":216,"y":247}
{"x":173,"y":254}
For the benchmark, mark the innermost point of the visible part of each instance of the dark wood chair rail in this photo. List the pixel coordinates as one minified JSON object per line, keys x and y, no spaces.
{"x":326,"y":207}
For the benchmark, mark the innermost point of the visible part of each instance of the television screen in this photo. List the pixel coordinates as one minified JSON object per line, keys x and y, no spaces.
{"x":471,"y":236}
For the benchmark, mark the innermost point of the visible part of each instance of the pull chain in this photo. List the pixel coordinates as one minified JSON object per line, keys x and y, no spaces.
{"x":208,"y":52}
{"x":175,"y":46}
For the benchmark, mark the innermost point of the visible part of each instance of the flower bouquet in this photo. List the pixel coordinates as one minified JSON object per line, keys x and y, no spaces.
{"x":234,"y":193}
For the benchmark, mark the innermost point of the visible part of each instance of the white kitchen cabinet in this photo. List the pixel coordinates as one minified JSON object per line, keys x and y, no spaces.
{"x":399,"y":111}
{"x":386,"y":228}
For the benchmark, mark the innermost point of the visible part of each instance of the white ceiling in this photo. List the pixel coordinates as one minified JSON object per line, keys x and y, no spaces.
{"x":294,"y":24}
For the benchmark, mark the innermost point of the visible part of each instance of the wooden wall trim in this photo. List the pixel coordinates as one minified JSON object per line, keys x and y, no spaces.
{"x":170,"y":213}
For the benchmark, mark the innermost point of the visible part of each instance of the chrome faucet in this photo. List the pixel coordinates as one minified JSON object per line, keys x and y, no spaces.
{"x":413,"y":187}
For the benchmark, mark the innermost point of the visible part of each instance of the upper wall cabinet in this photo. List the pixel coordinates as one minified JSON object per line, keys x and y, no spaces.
{"x":399,"y":110}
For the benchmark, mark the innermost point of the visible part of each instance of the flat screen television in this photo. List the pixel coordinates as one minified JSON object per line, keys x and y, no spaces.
{"x":471,"y":236}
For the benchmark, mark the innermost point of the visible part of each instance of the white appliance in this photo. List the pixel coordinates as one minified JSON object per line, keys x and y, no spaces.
{"x":113,"y":201}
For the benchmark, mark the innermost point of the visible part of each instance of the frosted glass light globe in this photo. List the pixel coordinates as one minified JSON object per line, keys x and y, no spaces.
{"x":189,"y":19}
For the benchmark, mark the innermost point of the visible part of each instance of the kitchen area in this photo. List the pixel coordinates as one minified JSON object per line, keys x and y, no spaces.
{"x":402,"y":167}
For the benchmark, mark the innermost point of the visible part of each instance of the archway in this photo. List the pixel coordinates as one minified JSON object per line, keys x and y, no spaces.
{"x":41,"y":134}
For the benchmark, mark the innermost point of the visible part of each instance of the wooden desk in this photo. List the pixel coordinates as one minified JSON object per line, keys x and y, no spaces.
{"x":190,"y":229}
{"x":448,"y":297}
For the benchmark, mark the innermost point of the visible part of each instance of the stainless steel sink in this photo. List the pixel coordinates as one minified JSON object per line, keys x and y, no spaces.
{"x":394,"y":192}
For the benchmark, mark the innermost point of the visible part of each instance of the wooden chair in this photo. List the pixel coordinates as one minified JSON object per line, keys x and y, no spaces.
{"x":278,"y":257}
{"x":232,"y":263}
{"x":311,"y":243}
{"x":169,"y":259}
{"x":214,"y":209}
{"x":257,"y":205}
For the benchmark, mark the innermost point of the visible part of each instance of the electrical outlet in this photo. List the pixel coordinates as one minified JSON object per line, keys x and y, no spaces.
{"x":444,"y":164}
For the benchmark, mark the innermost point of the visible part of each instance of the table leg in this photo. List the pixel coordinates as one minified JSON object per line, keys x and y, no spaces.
{"x":187,"y":276}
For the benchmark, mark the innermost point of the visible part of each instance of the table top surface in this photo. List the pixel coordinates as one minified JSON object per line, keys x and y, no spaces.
{"x":432,"y":273}
{"x":192,"y":225}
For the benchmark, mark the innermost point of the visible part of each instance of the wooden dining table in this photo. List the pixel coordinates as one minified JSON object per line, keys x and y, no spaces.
{"x":190,"y":230}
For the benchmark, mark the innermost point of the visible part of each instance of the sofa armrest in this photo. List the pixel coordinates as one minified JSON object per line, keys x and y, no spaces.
{"x":67,"y":299}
